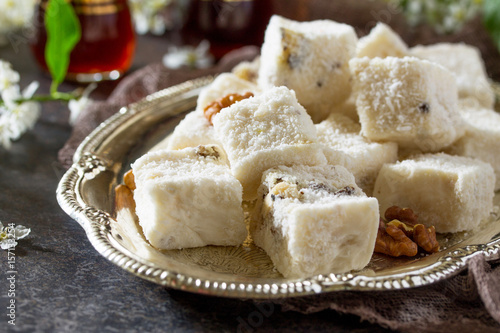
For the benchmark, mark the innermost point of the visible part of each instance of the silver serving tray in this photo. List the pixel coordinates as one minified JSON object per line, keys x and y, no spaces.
{"x":86,"y":193}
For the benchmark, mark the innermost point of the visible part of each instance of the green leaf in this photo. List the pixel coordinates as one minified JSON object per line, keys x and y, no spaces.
{"x":63,"y":33}
{"x":491,"y":19}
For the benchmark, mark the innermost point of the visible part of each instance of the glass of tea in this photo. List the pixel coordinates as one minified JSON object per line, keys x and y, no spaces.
{"x":229,"y":24}
{"x":107,"y":45}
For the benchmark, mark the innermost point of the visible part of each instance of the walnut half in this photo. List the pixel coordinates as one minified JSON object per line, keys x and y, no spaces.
{"x":213,"y":108}
{"x":403,"y":238}
{"x":392,"y":241}
{"x":402,"y":214}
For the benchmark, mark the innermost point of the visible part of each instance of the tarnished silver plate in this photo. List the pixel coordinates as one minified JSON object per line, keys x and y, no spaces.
{"x":86,"y":193}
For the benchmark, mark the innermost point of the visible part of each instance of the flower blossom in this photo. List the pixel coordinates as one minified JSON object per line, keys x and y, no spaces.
{"x":77,"y":105}
{"x":15,"y":117}
{"x":14,"y":14}
{"x":9,"y":235}
{"x":189,"y":56}
{"x":146,"y":15}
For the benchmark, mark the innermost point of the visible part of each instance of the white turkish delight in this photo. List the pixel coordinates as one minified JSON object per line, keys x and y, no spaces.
{"x":347,"y":108}
{"x":409,"y":101}
{"x":465,"y":62}
{"x":224,"y":84}
{"x":482,"y":137}
{"x":314,"y":220}
{"x":264,"y":131}
{"x":381,"y":42}
{"x":195,"y":129}
{"x":364,"y":159}
{"x":311,"y":58}
{"x":192,"y":131}
{"x":452,"y":193}
{"x":248,"y":70}
{"x":188,"y":198}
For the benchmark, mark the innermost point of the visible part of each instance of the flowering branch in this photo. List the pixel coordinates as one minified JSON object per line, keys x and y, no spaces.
{"x":58,"y":96}
{"x":19,"y":111}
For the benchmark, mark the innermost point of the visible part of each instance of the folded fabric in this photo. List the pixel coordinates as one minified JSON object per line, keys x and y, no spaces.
{"x":468,"y":302}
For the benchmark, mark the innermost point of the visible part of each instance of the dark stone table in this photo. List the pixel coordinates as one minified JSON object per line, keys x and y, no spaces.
{"x":63,"y":285}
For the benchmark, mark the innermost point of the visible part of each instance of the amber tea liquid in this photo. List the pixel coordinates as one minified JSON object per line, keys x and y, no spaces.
{"x":107,"y":45}
{"x":229,"y":24}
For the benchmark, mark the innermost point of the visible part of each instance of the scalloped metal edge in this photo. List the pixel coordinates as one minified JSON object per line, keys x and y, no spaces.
{"x":96,"y":224}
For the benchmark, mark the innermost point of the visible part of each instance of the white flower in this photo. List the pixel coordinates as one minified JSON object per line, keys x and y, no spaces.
{"x":189,"y":56}
{"x":15,"y":122}
{"x":15,"y":117}
{"x":14,"y":14}
{"x":77,"y":105}
{"x":146,"y":15}
{"x":8,"y":76}
{"x":9,"y":235}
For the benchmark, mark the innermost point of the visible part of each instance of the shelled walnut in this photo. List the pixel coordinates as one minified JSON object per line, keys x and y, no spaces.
{"x":402,"y":236}
{"x":393,"y":241}
{"x":124,"y":193}
{"x":213,"y":108}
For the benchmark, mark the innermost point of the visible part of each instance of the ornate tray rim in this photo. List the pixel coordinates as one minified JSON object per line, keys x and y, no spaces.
{"x":96,"y":224}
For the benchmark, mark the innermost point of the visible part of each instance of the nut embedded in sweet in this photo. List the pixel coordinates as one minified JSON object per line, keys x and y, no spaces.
{"x":285,"y":190}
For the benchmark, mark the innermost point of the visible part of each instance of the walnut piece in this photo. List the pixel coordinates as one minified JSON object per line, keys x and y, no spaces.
{"x":129,"y":180}
{"x":403,"y":235}
{"x":392,"y":241}
{"x":407,"y":229}
{"x":285,"y":190}
{"x":124,"y":198}
{"x":405,"y":215}
{"x":426,"y":238}
{"x":422,"y":236}
{"x":207,"y":152}
{"x":213,"y":108}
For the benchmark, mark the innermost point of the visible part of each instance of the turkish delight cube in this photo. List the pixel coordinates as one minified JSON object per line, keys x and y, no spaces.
{"x":465,"y":62}
{"x":381,"y":42}
{"x":188,"y":198}
{"x":314,"y":220}
{"x":482,"y":137}
{"x":224,"y":84}
{"x":311,"y":58}
{"x":264,"y":131}
{"x":452,"y":193}
{"x":409,"y":101}
{"x":195,"y":129}
{"x":339,"y":133}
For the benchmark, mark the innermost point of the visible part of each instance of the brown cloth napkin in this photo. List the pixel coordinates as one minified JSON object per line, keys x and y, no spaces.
{"x":468,"y":302}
